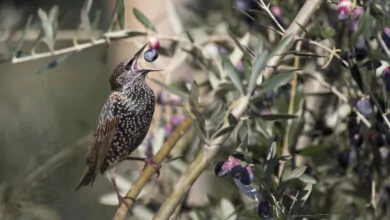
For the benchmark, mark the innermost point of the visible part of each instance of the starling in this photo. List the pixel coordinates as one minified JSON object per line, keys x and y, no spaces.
{"x":124,"y":121}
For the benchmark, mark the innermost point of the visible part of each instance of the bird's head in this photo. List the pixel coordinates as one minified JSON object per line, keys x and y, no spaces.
{"x":129,"y":72}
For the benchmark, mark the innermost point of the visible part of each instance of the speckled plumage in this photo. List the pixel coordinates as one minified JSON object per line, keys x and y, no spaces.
{"x":124,"y":119}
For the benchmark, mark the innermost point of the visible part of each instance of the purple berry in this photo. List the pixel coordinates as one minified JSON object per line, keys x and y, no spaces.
{"x":241,"y":173}
{"x":357,"y":12}
{"x":364,"y":107}
{"x":386,"y":36}
{"x":222,"y":50}
{"x":240,"y":66}
{"x":345,"y":158}
{"x":377,"y":140}
{"x":177,"y":119}
{"x":356,"y":139}
{"x":151,"y":55}
{"x":344,"y":9}
{"x":220,"y":169}
{"x":160,"y":98}
{"x":242,"y":5}
{"x":168,"y":130}
{"x":263,"y":209}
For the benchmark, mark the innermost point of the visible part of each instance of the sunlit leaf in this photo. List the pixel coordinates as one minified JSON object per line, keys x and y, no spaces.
{"x":307,"y":191}
{"x":259,"y":64}
{"x":143,"y":19}
{"x":307,"y":179}
{"x":289,"y":174}
{"x":239,"y":51}
{"x":273,"y":83}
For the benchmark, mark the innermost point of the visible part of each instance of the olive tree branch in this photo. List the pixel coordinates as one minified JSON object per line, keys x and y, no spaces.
{"x":106,"y":38}
{"x":148,"y":172}
{"x":205,"y":156}
{"x":294,"y":29}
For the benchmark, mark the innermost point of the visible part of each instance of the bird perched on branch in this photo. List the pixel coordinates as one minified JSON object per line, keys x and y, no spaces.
{"x":124,"y":121}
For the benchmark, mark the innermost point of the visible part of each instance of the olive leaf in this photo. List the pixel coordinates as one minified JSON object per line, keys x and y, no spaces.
{"x":232,"y":73}
{"x":143,"y":19}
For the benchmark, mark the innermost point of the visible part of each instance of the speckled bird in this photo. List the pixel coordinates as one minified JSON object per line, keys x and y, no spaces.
{"x":124,"y":121}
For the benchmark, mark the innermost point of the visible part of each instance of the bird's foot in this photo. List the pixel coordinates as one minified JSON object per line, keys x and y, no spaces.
{"x":150,"y":161}
{"x":154,"y":164}
{"x":122,"y":200}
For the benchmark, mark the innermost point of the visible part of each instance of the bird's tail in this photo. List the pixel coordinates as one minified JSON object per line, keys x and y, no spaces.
{"x":87,"y":178}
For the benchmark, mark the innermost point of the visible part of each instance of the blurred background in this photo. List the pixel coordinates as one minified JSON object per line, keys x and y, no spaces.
{"x":49,"y":107}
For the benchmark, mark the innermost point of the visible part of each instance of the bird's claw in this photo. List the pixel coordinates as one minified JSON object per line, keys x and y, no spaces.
{"x":122,"y":200}
{"x":156,"y":165}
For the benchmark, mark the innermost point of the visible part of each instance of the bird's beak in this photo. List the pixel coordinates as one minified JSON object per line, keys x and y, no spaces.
{"x":151,"y":70}
{"x":135,"y":62}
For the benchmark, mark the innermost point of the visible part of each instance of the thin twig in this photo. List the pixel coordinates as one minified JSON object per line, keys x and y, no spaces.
{"x":204,"y":157}
{"x":294,"y":29}
{"x":285,"y":150}
{"x":266,"y":8}
{"x":149,"y":170}
{"x":342,"y":97}
{"x":115,"y":35}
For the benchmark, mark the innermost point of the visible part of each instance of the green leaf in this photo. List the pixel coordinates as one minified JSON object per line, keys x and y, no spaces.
{"x":172,"y":89}
{"x":294,"y":174}
{"x":307,"y":179}
{"x":239,"y":45}
{"x":357,"y":76}
{"x":223,"y":131}
{"x":312,"y":150}
{"x":273,"y":83}
{"x":232,"y":73}
{"x":307,"y":190}
{"x":143,"y":19}
{"x":55,"y":63}
{"x":259,"y":64}
{"x":273,"y":117}
{"x":378,"y":55}
{"x":224,"y":87}
{"x":282,"y":45}
{"x":280,"y":129}
{"x":328,"y":33}
{"x":47,"y":27}
{"x":121,"y":14}
{"x":194,"y":95}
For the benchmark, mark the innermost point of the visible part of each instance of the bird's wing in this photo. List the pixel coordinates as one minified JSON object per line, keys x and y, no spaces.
{"x":104,"y":133}
{"x":104,"y":137}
